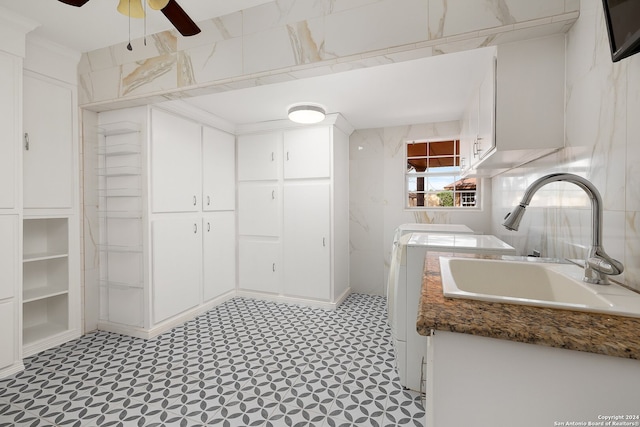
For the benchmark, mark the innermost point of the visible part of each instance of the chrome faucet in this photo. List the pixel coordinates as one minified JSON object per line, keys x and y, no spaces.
{"x":598,"y":265}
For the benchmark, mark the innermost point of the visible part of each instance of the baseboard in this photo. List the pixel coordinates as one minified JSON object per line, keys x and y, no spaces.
{"x":293,"y":300}
{"x":12,"y":370}
{"x":45,"y":344}
{"x":167,"y":325}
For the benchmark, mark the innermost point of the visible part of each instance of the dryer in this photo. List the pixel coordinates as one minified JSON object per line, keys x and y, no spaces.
{"x":405,"y":285}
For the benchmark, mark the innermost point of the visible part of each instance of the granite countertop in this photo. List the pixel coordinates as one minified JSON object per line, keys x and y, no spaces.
{"x":590,"y":332}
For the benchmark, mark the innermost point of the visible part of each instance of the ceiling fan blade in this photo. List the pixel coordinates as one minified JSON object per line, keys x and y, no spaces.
{"x":76,"y":3}
{"x":179,"y":18}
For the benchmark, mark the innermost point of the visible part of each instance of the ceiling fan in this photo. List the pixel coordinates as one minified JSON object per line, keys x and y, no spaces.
{"x":170,"y":8}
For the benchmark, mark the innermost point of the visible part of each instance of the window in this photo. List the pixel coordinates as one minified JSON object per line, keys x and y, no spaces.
{"x":433,"y":176}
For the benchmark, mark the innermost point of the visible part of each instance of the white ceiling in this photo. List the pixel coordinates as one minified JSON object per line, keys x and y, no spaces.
{"x":419,"y":91}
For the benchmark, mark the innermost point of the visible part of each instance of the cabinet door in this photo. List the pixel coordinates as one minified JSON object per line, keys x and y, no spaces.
{"x":218,"y":170}
{"x":48,"y":167}
{"x":486,"y":113}
{"x":219,"y":254}
{"x":175,"y":163}
{"x":8,"y":331}
{"x":260,"y":266}
{"x":307,"y":153}
{"x":306,"y":240}
{"x":8,"y":255}
{"x":9,"y":121}
{"x":259,"y":209}
{"x":259,"y":156}
{"x":176,"y":266}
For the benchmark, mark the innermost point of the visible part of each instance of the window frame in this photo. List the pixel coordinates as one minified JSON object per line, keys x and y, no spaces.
{"x":457,"y":175}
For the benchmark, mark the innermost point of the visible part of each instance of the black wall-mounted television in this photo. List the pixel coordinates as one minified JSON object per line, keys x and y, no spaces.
{"x":623,"y":27}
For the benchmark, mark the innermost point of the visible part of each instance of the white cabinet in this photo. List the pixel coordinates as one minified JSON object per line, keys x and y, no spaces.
{"x":218,"y":170}
{"x":176,"y":266}
{"x":8,"y":288}
{"x":48,"y":159}
{"x":529,"y":104}
{"x":175,"y":163}
{"x":259,"y":209}
{"x":10,"y":81}
{"x":307,"y":153}
{"x":260,"y":266}
{"x":168,"y":230}
{"x":292,"y":220}
{"x":8,"y":332}
{"x":218,"y":254}
{"x":259,"y":156}
{"x":307,"y":234}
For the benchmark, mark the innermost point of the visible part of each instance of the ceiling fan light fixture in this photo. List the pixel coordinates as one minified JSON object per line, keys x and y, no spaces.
{"x":157,"y":4}
{"x":306,"y":113}
{"x":131,"y":8}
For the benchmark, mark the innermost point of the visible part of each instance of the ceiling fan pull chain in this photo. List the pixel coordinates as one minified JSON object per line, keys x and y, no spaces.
{"x":129,"y":45}
{"x":145,"y":24}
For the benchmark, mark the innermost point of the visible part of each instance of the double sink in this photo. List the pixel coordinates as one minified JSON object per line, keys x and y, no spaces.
{"x":530,"y":281}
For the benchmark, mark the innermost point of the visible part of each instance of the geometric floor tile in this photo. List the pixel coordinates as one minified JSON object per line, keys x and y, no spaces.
{"x":246,"y":362}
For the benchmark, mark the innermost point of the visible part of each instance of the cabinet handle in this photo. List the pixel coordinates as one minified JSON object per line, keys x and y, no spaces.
{"x":208,"y":226}
{"x":287,"y":156}
{"x":273,"y":194}
{"x":195,"y":228}
{"x":195,"y":200}
{"x":272,"y":157}
{"x":208,"y":200}
{"x":26,"y":141}
{"x":273,"y":267}
{"x":324,"y":243}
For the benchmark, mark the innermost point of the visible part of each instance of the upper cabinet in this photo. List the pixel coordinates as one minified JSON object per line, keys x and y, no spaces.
{"x":522,"y":118}
{"x":218,"y":170}
{"x":48,"y":158}
{"x":307,"y":153}
{"x":259,"y":156}
{"x":10,"y":77}
{"x":176,"y":163}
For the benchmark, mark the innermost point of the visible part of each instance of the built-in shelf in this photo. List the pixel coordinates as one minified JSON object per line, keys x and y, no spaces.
{"x":43,"y":256}
{"x":45,"y":317}
{"x":29,"y":295}
{"x":118,"y":128}
{"x":122,"y":249}
{"x":43,"y":331}
{"x":119,"y":171}
{"x":119,"y":150}
{"x":119,"y":215}
{"x":120,"y":192}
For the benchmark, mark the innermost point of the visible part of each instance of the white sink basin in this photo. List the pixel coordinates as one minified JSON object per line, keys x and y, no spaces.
{"x":537,"y":284}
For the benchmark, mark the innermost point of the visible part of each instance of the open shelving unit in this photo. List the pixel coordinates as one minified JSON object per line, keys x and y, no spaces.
{"x":121,"y":222}
{"x":45,"y":288}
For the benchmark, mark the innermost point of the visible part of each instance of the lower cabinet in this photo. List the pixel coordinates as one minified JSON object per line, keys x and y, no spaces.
{"x":260,"y":265}
{"x":176,"y":266}
{"x":8,"y":330}
{"x":218,"y":254}
{"x":307,"y":232}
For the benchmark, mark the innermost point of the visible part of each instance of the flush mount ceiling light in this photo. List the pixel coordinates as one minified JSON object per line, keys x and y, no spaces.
{"x":306,"y":113}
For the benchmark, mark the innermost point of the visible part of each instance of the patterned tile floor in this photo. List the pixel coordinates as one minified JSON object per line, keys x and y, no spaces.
{"x":244,"y":363}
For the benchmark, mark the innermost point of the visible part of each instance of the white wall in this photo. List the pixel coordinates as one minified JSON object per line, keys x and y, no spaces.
{"x":376,"y":205}
{"x":602,"y":144}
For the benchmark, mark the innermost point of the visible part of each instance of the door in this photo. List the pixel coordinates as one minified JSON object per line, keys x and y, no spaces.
{"x":175,"y":163}
{"x":176,"y":266}
{"x":260,"y":266}
{"x":259,"y":156}
{"x":48,"y":156}
{"x":219,"y":254}
{"x":259,"y":209}
{"x":218,"y":170}
{"x":307,"y":243}
{"x":9,"y":119}
{"x":307,"y":153}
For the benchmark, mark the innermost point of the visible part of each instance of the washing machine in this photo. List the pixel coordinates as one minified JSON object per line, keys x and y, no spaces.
{"x":405,"y":285}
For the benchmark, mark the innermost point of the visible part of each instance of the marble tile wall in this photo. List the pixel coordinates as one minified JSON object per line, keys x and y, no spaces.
{"x":602,"y":144}
{"x":292,"y":39}
{"x":376,"y":202}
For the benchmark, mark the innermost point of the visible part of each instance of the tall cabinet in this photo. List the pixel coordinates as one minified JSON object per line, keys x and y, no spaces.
{"x":167,"y":219}
{"x":293,"y":211}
